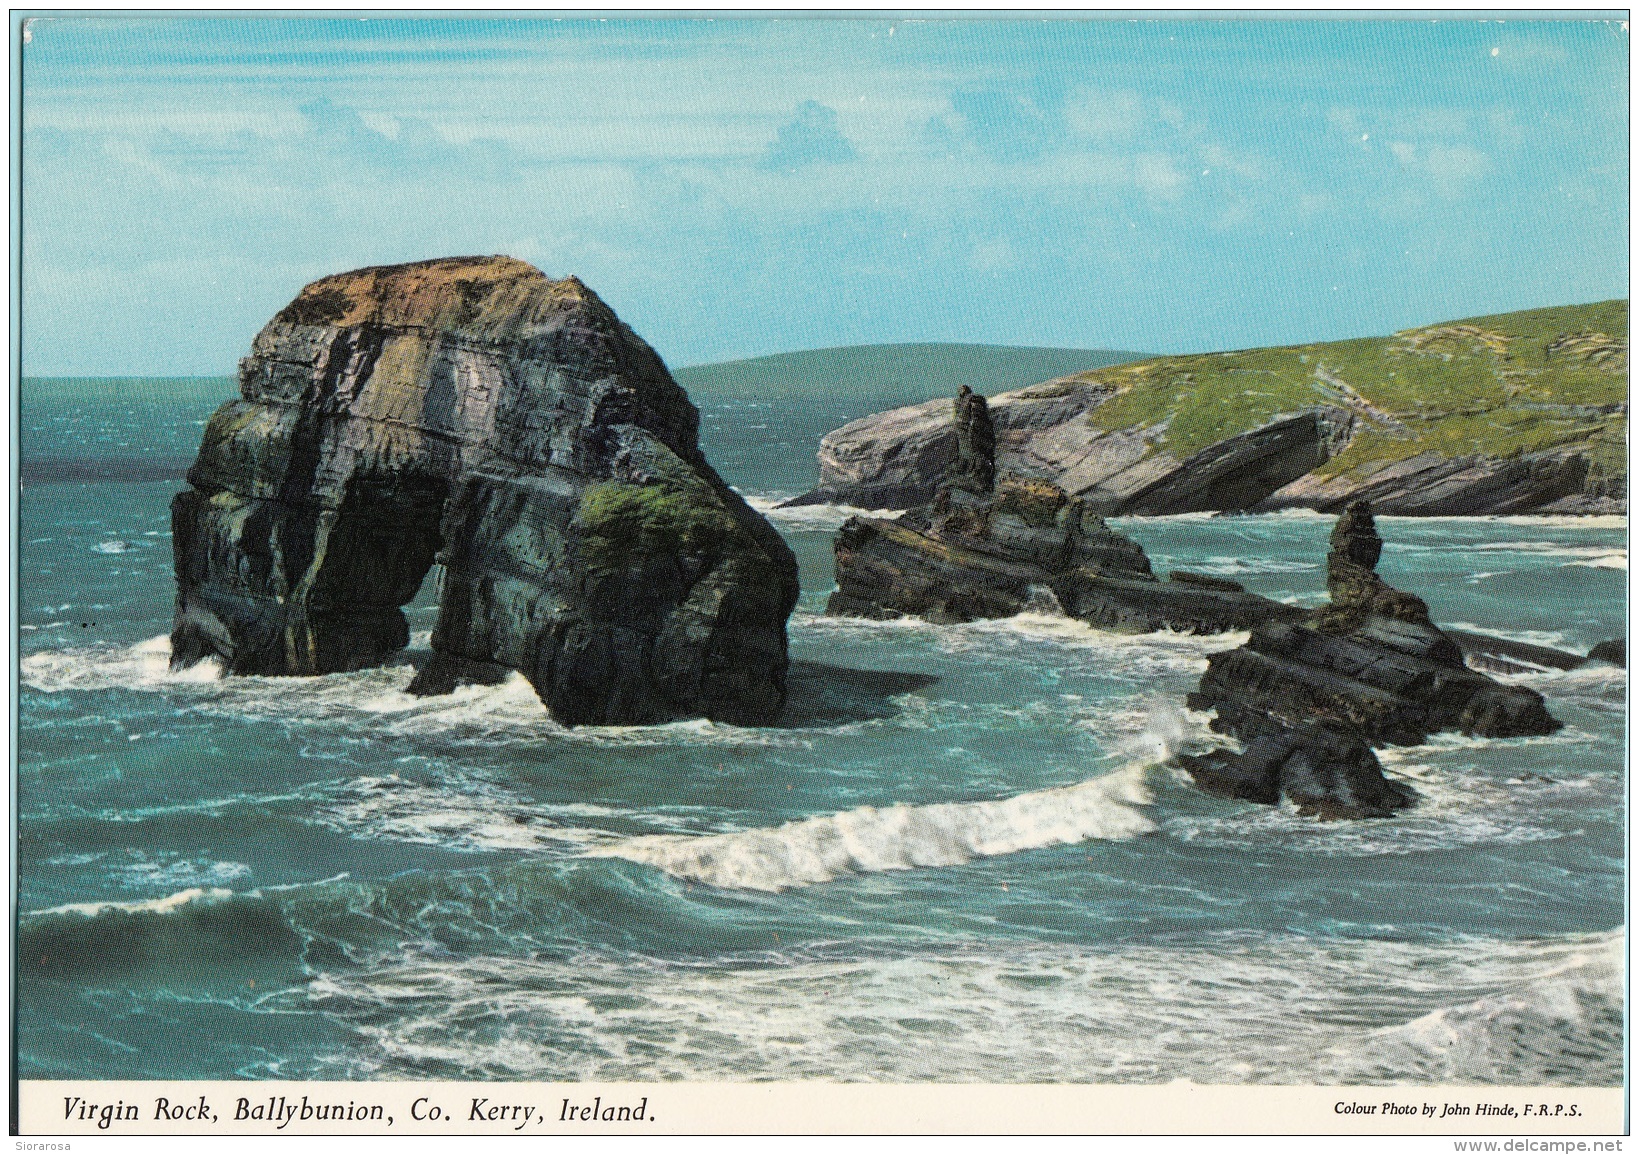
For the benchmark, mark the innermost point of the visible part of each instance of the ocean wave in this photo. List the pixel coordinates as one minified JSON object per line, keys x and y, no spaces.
{"x":1603,"y":556}
{"x":376,"y":696}
{"x":1612,"y":560}
{"x":101,"y":666}
{"x":822,"y":517}
{"x":1526,"y":520}
{"x":193,"y":931}
{"x":474,"y":817}
{"x":1238,"y":1008}
{"x":1225,"y":566}
{"x":1551,"y":639}
{"x":868,"y":839}
{"x":1188,"y":651}
{"x":1560,"y":1025}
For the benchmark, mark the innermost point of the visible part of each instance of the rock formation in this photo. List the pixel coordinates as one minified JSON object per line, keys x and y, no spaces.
{"x":898,"y":459}
{"x":510,"y":426}
{"x":991,"y":549}
{"x":1311,"y":698}
{"x":1524,"y":413}
{"x":1614,"y":651}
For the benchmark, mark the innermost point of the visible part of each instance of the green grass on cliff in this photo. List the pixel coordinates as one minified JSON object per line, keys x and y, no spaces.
{"x":1499,"y":386}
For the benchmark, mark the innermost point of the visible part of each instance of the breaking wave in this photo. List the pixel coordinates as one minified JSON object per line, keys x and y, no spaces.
{"x":1239,"y":1008}
{"x":868,"y":839}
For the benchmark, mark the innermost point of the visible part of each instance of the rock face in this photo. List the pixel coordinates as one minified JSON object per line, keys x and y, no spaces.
{"x":1519,"y":413}
{"x":510,"y":426}
{"x":898,"y":459}
{"x":1434,"y":485}
{"x":1311,"y":698}
{"x":992,"y":550}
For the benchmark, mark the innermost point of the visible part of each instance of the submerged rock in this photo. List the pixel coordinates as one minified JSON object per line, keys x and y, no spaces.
{"x":1310,"y":698}
{"x":1614,"y":651}
{"x":984,"y":549}
{"x":475,"y":411}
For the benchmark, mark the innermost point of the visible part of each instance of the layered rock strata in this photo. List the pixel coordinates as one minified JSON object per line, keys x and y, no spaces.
{"x":476,"y":412}
{"x":1517,"y":413}
{"x":1311,"y":698}
{"x":982,"y":550}
{"x":898,"y":459}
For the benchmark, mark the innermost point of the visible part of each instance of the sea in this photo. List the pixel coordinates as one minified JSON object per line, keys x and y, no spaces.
{"x":963,"y":854}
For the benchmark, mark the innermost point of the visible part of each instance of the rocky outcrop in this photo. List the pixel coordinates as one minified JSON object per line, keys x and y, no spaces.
{"x":1524,"y":413}
{"x":510,"y":426}
{"x":1614,"y":651}
{"x":992,"y":551}
{"x":898,"y":459}
{"x":1311,"y":698}
{"x":1433,"y":485}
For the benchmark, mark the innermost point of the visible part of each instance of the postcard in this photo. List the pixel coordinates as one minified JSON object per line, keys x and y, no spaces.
{"x":724,"y":573}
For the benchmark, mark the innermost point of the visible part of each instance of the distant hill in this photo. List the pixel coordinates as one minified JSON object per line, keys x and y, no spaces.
{"x":762,"y":418}
{"x":885,"y":376}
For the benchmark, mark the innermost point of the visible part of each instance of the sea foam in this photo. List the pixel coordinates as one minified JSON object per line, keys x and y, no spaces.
{"x":870,"y":839}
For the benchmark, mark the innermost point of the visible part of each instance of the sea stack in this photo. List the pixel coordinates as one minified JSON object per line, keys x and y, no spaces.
{"x":990,"y":546}
{"x":474,"y":411}
{"x":1311,"y":698}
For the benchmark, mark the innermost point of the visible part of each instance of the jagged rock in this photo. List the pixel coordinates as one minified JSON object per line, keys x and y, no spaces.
{"x":975,"y":554}
{"x":1311,"y":697}
{"x":974,"y":469}
{"x":473,"y":410}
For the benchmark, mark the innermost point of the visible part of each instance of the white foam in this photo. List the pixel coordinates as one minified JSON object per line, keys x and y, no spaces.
{"x":899,"y":837}
{"x":1530,"y":1028}
{"x":477,"y":817}
{"x":1527,"y":520}
{"x":1551,"y":639}
{"x":1234,"y":1008}
{"x":1224,"y":566}
{"x":1604,"y":556}
{"x":813,"y":517}
{"x":170,"y":904}
{"x":144,"y":666}
{"x":375,"y":697}
{"x":1613,"y":560}
{"x":112,"y":547}
{"x":181,"y":873}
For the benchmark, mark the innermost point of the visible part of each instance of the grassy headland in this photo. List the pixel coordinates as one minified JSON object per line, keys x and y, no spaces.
{"x":1496,"y":386}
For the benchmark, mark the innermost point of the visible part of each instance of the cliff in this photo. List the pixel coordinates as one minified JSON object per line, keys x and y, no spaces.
{"x":1521,"y":412}
{"x":475,"y":411}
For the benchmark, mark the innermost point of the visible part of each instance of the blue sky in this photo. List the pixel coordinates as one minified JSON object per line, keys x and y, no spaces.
{"x":736,"y":187}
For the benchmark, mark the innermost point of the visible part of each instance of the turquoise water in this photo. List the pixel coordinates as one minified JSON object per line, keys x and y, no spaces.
{"x":960,"y":856}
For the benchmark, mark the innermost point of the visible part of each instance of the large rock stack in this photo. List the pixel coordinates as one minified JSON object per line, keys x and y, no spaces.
{"x":473,"y":410}
{"x":1311,"y":698}
{"x":989,"y":547}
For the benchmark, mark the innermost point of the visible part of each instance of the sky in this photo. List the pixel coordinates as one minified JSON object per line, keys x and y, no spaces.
{"x":738,"y":187}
